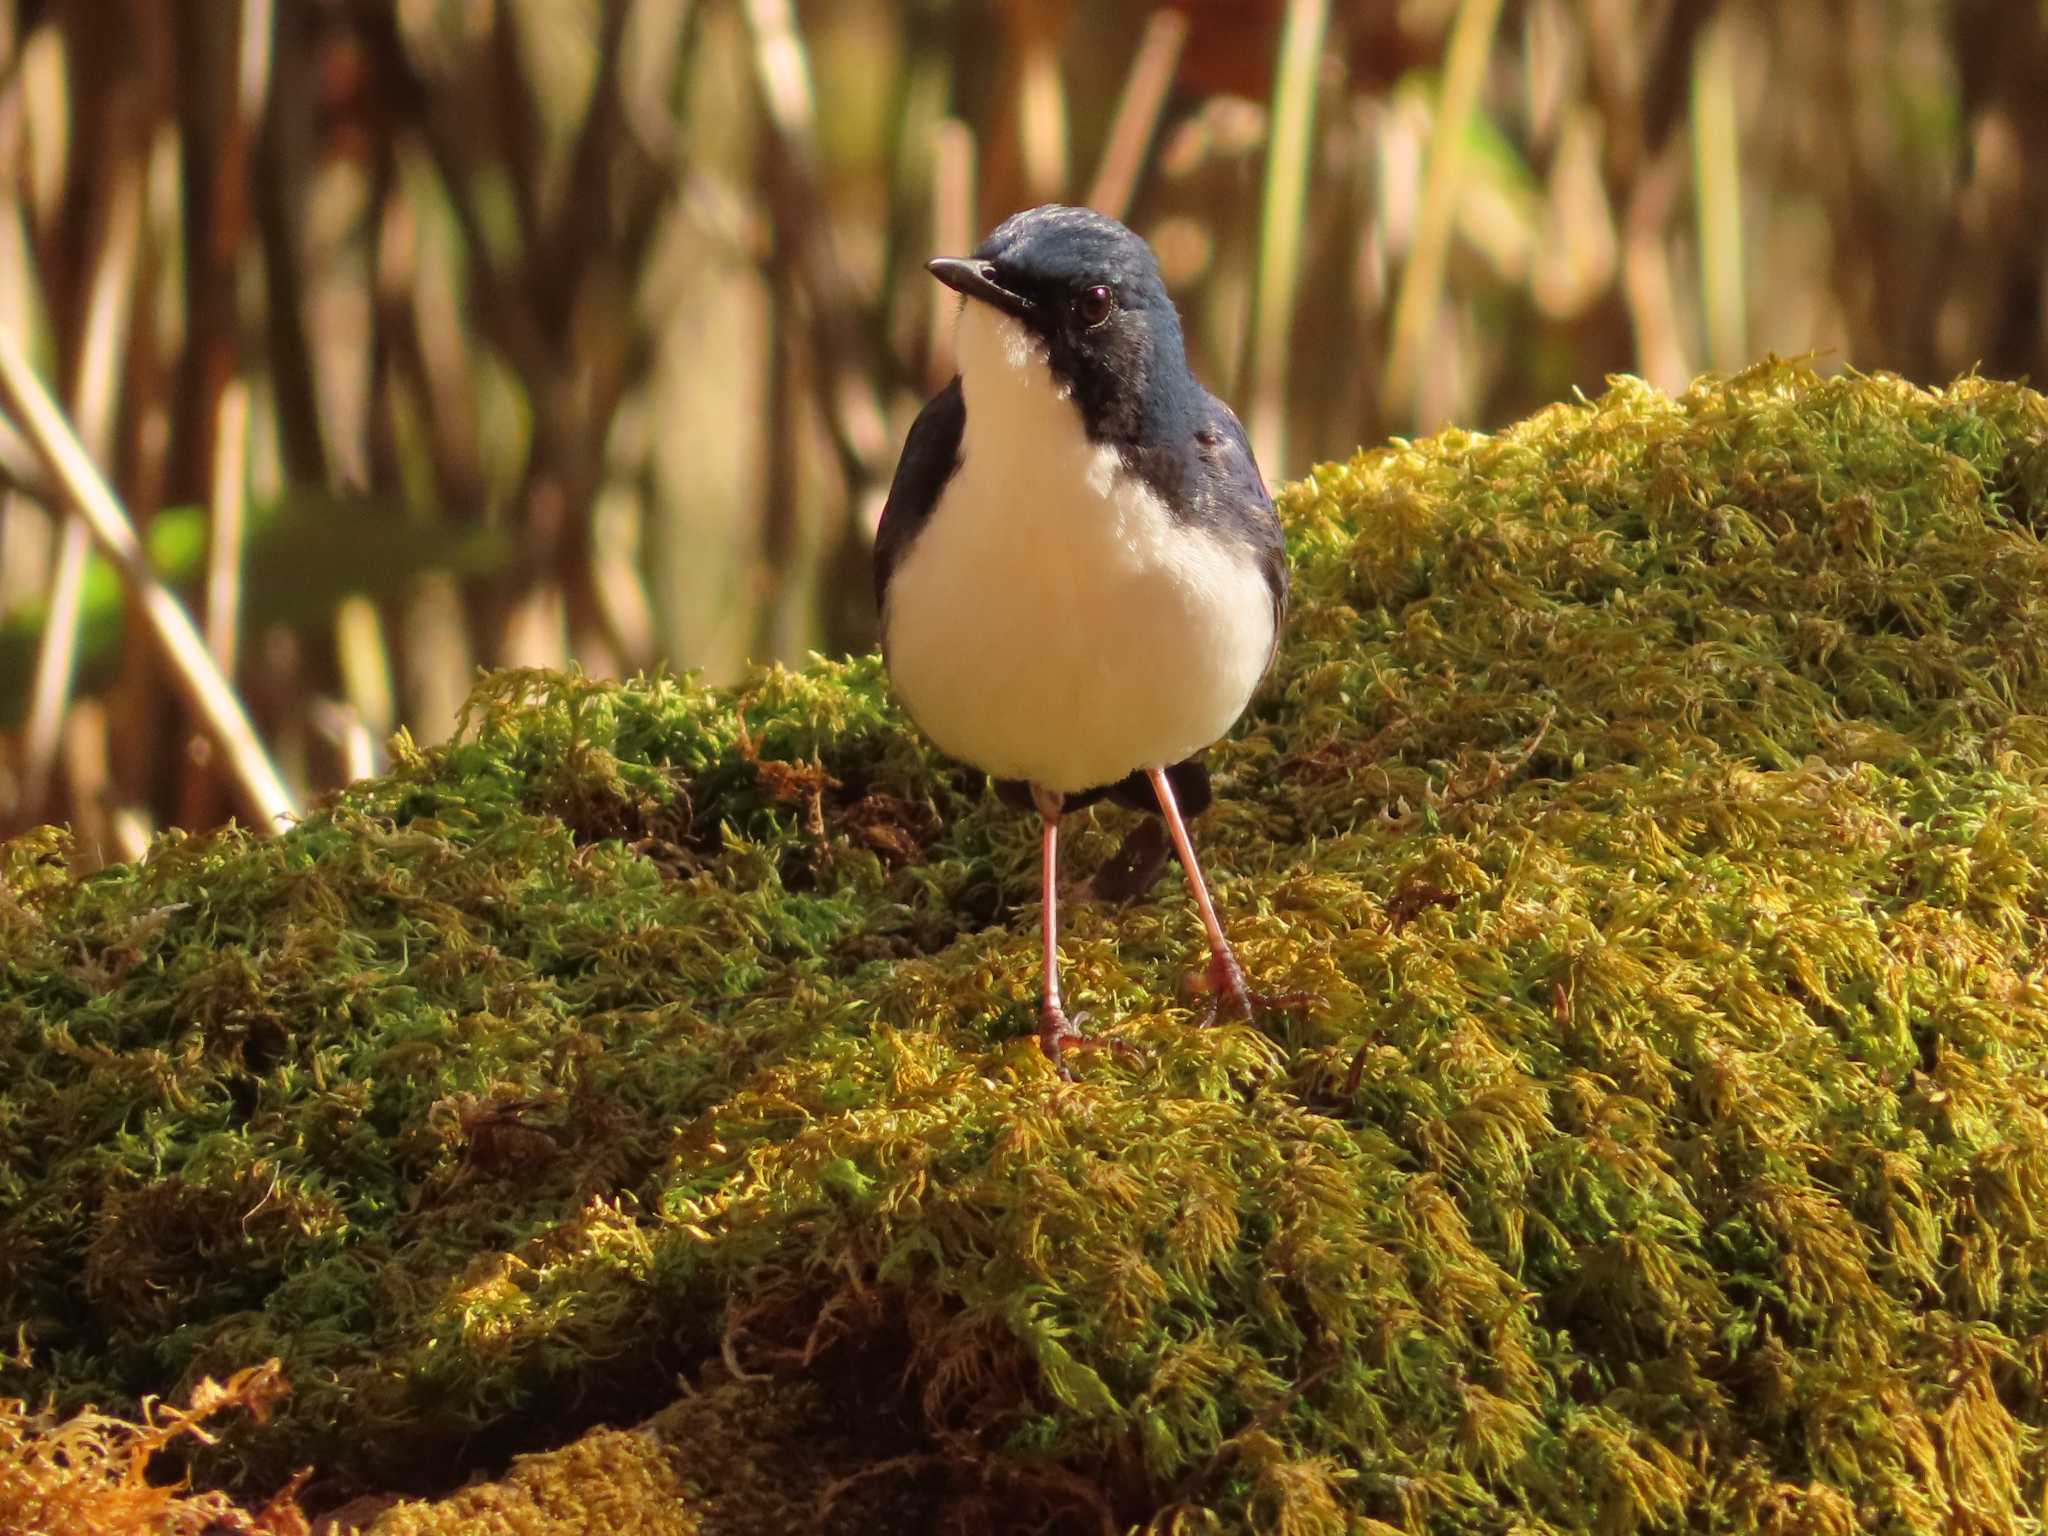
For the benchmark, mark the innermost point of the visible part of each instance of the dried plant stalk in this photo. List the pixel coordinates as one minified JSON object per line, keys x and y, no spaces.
{"x":263,"y":792}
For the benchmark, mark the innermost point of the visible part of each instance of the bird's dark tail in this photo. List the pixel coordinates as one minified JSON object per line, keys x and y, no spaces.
{"x":1190,"y":781}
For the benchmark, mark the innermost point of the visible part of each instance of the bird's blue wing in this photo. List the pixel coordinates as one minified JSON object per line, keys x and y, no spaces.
{"x":930,"y":455}
{"x":1230,"y":498}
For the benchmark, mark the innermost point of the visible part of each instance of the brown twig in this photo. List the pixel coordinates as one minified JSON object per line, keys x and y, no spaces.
{"x":1502,"y":769}
{"x":779,"y":475}
{"x":279,"y":192}
{"x":586,"y":219}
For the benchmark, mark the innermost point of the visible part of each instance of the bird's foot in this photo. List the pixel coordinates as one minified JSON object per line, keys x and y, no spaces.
{"x":1056,"y":1032}
{"x":1230,"y":996}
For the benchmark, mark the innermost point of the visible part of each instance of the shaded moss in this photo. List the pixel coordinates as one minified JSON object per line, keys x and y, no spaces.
{"x":1651,"y":793}
{"x":718,"y":1462}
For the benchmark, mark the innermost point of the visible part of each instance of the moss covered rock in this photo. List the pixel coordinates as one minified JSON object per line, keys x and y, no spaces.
{"x":1653,"y":796}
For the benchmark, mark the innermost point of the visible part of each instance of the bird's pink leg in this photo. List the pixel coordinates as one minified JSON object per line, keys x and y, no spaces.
{"x":1226,"y":983}
{"x":1054,"y":1028}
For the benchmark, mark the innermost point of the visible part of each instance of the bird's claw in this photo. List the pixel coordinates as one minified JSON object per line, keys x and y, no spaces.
{"x":1230,"y":996}
{"x":1056,"y":1032}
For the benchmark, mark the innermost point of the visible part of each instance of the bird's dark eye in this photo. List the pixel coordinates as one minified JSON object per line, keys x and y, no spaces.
{"x":1093,"y":307}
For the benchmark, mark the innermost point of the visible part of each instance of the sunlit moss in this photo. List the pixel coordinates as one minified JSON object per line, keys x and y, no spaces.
{"x":1653,"y":795}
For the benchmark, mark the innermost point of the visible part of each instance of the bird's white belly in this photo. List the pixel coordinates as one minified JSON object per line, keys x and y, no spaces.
{"x":1053,"y":622}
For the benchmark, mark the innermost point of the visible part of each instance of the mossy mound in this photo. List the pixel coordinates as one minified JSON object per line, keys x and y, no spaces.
{"x":1653,"y":794}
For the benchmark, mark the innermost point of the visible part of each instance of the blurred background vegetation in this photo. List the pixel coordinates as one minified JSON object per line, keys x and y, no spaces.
{"x":423,"y":335}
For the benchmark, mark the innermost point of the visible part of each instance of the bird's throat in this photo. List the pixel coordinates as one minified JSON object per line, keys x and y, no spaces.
{"x":1007,"y":368}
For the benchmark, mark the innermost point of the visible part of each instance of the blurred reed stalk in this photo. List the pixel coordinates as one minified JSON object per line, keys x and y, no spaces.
{"x":1717,"y":184}
{"x":266,"y":800}
{"x":1418,"y":305}
{"x":1135,"y":126}
{"x":1283,"y":212}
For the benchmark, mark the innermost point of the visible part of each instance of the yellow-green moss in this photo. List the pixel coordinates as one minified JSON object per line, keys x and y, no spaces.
{"x":614,"y":1481}
{"x":1652,"y":793}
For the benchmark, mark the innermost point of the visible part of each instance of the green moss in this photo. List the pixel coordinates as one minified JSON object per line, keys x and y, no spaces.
{"x":1653,"y":795}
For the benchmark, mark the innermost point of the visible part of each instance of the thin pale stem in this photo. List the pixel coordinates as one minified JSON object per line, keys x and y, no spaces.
{"x":1717,"y":183}
{"x":224,"y":535}
{"x":22,"y":394}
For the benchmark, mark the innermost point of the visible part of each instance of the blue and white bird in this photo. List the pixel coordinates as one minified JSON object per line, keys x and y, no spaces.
{"x":1080,"y":574}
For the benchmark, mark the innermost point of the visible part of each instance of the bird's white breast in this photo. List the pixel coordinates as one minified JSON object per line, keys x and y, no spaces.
{"x":1052,"y":621}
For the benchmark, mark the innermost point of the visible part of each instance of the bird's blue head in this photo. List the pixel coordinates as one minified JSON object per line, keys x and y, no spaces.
{"x":1089,"y":291}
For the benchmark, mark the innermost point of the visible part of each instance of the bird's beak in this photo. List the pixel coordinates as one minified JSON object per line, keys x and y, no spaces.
{"x":977,"y":280}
